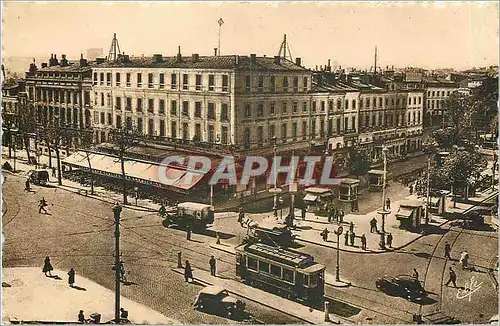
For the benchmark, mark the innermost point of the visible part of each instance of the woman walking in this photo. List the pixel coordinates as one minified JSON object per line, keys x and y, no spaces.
{"x":47,"y":267}
{"x":71,"y":277}
{"x":188,"y":272}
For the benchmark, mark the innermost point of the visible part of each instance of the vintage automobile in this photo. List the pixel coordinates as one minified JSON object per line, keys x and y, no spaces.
{"x":38,"y":177}
{"x":189,"y":213}
{"x":217,"y":300}
{"x":403,"y":286}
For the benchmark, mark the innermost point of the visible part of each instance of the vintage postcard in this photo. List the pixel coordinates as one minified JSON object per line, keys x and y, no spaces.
{"x":249,"y":162}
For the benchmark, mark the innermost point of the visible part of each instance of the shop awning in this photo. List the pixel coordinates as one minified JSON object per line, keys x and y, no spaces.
{"x":404,"y":213}
{"x":310,"y":197}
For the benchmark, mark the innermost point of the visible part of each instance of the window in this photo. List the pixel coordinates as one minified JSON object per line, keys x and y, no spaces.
{"x":409,"y":100}
{"x":252,"y":263}
{"x":185,"y":108}
{"x":338,"y":125}
{"x":198,"y":82}
{"x":128,"y":79}
{"x":379,"y":103}
{"x":346,"y":123}
{"x":110,"y":119}
{"x":102,"y":99}
{"x":118,"y":77}
{"x":260,"y":135}
{"x":173,"y":81}
{"x":162,"y":128}
{"x":173,"y":107}
{"x":161,"y":109}
{"x":272,"y":108}
{"x":151,"y":105}
{"x":288,"y":275}
{"x":139,"y":79}
{"x":263,"y":267}
{"x":211,"y":83}
{"x":95,"y":78}
{"x":248,"y":84}
{"x":197,"y":109}
{"x":102,"y":117}
{"x":272,"y":83}
{"x":353,"y":123}
{"x":197,"y":132}
{"x":139,"y":125}
{"x":322,"y":128}
{"x":225,"y":83}
{"x":322,"y":106}
{"x":418,"y":117}
{"x":354,"y":103}
{"x":211,"y":134}
{"x":150,"y":80}
{"x":295,"y":107}
{"x":304,"y":107}
{"x":414,"y":100}
{"x":285,"y":84}
{"x":330,"y":127}
{"x":139,"y":104}
{"x":313,"y":128}
{"x":294,"y":130}
{"x":386,"y":101}
{"x":224,"y":115}
{"x":272,"y":131}
{"x":118,"y":103}
{"x":330,"y":106}
{"x":304,"y":130}
{"x":225,"y":138}
{"x":339,"y":105}
{"x":128,"y":123}
{"x":295,"y":84}
{"x":314,"y":106}
{"x":162,"y":81}
{"x":151,"y":127}
{"x":260,"y":110}
{"x":276,"y":271}
{"x":283,"y":132}
{"x":108,"y":101}
{"x":211,"y":111}
{"x":118,"y":121}
{"x":185,"y":81}
{"x":305,"y":84}
{"x":173,"y":129}
{"x":260,"y":84}
{"x":129,"y":104}
{"x":283,"y":108}
{"x":347,"y":104}
{"x":108,"y":79}
{"x":247,"y":110}
{"x":102,"y":79}
{"x":419,"y":100}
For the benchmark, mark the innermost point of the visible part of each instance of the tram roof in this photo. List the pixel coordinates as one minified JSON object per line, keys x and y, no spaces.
{"x":284,"y":256}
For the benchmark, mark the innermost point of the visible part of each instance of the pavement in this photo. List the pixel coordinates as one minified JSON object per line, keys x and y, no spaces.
{"x":32,"y":296}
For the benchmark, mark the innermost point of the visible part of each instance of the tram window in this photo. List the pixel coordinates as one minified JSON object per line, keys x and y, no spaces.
{"x":252,"y":263}
{"x":263,"y":267}
{"x":306,"y":280}
{"x":314,"y":280}
{"x":287,"y":275}
{"x":276,"y":270}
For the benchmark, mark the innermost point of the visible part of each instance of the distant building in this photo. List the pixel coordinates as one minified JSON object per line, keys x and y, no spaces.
{"x":94,"y":53}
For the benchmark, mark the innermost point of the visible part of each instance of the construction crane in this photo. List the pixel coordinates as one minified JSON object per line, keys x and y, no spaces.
{"x":285,"y":50}
{"x":114,"y":51}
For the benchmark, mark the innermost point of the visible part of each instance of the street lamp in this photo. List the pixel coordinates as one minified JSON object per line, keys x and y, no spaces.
{"x":338,"y":232}
{"x":383,"y":210}
{"x":275,"y":206}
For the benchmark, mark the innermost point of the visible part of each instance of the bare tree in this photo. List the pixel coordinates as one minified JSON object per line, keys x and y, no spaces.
{"x":56,"y":136}
{"x":26,"y":126}
{"x":86,"y":144}
{"x":125,"y":137}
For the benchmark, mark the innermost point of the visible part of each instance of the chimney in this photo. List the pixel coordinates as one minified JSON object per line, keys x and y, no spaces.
{"x":237,"y":60}
{"x":179,"y":55}
{"x":157,"y":58}
{"x":298,"y":62}
{"x":83,"y":62}
{"x":196,"y":56}
{"x":316,"y":68}
{"x":277,"y":60}
{"x":56,"y":62}
{"x":51,"y":60}
{"x":329,"y":67}
{"x":100,"y":60}
{"x":64,"y":62}
{"x":44,"y":64}
{"x":215,"y":51}
{"x":253,"y":58}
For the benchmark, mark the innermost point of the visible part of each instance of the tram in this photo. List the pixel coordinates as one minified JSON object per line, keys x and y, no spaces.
{"x":289,"y":273}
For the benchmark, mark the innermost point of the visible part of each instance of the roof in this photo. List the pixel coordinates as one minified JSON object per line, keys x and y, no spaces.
{"x":236,"y":62}
{"x":311,"y":269}
{"x":348,"y":181}
{"x":73,"y":66}
{"x":317,"y":190}
{"x":376,"y":172}
{"x":191,"y":205}
{"x":410,"y":203}
{"x":212,"y":290}
{"x":284,"y":256}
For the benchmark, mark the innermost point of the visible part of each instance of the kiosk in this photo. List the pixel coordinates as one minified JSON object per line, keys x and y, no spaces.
{"x":376,"y":179}
{"x":316,"y":196}
{"x":409,"y":214}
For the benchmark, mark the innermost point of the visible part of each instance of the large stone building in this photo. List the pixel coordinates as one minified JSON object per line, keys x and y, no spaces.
{"x":437,"y":91}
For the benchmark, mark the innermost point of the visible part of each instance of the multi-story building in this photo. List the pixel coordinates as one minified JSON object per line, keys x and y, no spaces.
{"x":437,"y":91}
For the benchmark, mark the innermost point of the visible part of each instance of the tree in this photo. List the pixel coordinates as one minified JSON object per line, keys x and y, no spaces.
{"x":125,"y":137}
{"x":359,"y":161}
{"x":26,"y":126}
{"x":54,"y":137}
{"x":87,"y":144}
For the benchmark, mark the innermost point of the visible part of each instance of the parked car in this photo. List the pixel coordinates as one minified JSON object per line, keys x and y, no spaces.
{"x":38,"y":177}
{"x":217,"y":300}
{"x":403,"y":286}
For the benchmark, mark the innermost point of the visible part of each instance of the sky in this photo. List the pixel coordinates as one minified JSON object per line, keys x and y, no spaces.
{"x":459,"y":35}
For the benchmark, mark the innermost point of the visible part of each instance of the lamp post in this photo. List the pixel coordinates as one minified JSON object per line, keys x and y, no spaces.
{"x":275,"y":206}
{"x":428,"y":190}
{"x":383,"y":211}
{"x":338,"y":232}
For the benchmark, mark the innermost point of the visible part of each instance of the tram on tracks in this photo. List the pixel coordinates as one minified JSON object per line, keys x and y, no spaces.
{"x":288,"y":273}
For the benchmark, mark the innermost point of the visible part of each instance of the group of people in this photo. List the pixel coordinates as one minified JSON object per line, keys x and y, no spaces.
{"x":463,"y":261}
{"x":83,"y":320}
{"x":188,"y":270}
{"x":47,"y":268}
{"x":334,"y":214}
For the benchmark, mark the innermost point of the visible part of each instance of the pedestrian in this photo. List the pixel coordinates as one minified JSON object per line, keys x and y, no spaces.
{"x":329,"y":214}
{"x":241,"y":215}
{"x":54,"y":172}
{"x":81,"y":317}
{"x":188,"y":231}
{"x":212,"y":263}
{"x":363,"y":242}
{"x":452,"y":278}
{"x":411,"y":189}
{"x":353,"y":237}
{"x":335,"y":214}
{"x":341,"y":215}
{"x":464,"y":259}
{"x":188,"y":272}
{"x":447,"y":251}
{"x":303,"y":213}
{"x":373,"y":225}
{"x":47,"y":267}
{"x":71,"y":277}
{"x":388,"y":203}
{"x":27,"y":185}
{"x":123,"y":314}
{"x":346,"y":238}
{"x":351,"y":227}
{"x":389,"y":240}
{"x":324,"y":234}
{"x":162,"y":211}
{"x":122,"y":272}
{"x":356,"y":206}
{"x":382,"y":241}
{"x":42,"y":205}
{"x":415,"y":274}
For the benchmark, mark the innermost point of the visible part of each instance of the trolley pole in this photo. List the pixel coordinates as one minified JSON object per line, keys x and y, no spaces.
{"x":117,"y":209}
{"x":338,"y":232}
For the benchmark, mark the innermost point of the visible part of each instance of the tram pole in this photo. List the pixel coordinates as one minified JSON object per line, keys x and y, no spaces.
{"x":117,"y":209}
{"x":338,"y":232}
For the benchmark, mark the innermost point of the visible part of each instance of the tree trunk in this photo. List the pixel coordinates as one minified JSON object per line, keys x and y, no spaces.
{"x":91,"y":174}
{"x":26,"y":144}
{"x":9,"y":142}
{"x":124,"y":181}
{"x":50,"y":155}
{"x":59,"y":179}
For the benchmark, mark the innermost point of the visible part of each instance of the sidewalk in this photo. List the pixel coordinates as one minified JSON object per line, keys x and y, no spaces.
{"x":34,"y":297}
{"x":286,"y":306}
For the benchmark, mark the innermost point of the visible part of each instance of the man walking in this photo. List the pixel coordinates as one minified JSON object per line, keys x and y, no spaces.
{"x":303,"y":213}
{"x":162,"y":211}
{"x":388,"y":203}
{"x":341,"y":215}
{"x":447,"y":251}
{"x":212,"y":263}
{"x":363,"y":242}
{"x":241,"y":215}
{"x":71,"y":277}
{"x":353,"y":237}
{"x":42,"y":205}
{"x":452,"y":277}
{"x":373,"y":225}
{"x":27,"y":185}
{"x":346,"y":237}
{"x":324,"y":234}
{"x":464,"y":259}
{"x":188,"y":231}
{"x":411,"y":189}
{"x":389,"y":240}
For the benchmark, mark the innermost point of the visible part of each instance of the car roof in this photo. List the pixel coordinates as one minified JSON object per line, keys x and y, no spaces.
{"x":212,"y":290}
{"x":406,"y":278}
